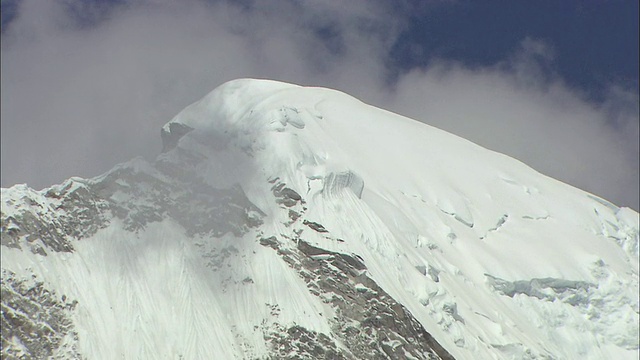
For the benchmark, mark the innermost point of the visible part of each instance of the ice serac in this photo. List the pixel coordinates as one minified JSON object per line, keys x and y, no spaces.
{"x":283,"y":221}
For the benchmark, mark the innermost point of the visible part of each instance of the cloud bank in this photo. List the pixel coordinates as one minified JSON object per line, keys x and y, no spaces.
{"x":88,"y":84}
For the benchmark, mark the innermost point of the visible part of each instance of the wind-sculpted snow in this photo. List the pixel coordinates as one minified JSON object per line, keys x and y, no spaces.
{"x":335,"y":183}
{"x":290,"y":222}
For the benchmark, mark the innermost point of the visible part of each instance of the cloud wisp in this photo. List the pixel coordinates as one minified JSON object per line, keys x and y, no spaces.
{"x":85,"y":87}
{"x":520,"y":109}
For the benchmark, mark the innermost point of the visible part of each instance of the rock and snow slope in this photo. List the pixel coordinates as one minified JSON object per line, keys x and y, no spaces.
{"x":290,"y":222}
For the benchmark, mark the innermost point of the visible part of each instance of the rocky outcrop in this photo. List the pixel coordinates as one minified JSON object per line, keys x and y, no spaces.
{"x":49,"y":220}
{"x":141,"y":196}
{"x":172,"y":133}
{"x":138,"y":193}
{"x":36,"y":322}
{"x":369,"y":323}
{"x":296,"y":342}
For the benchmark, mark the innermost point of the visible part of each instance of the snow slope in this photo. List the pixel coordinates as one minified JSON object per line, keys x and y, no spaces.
{"x":493,"y":259}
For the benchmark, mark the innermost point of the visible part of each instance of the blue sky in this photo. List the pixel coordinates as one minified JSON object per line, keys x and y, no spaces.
{"x":595,"y":43}
{"x":87,"y":83}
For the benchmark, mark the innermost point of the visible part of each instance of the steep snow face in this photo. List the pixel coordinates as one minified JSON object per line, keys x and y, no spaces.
{"x":281,"y":219}
{"x":492,"y":256}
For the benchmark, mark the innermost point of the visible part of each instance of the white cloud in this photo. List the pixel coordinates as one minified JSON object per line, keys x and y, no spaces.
{"x":545,"y":124}
{"x":76,"y":100}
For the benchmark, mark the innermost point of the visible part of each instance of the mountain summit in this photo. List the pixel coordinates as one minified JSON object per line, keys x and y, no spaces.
{"x":289,"y":222}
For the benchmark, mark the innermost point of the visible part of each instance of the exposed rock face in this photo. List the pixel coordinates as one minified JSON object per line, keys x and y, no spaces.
{"x":137,"y":193}
{"x":368,"y":321}
{"x":171,"y":134}
{"x":141,"y":196}
{"x":36,"y":320}
{"x":47,"y":221}
{"x":284,"y":195}
{"x":296,"y":342}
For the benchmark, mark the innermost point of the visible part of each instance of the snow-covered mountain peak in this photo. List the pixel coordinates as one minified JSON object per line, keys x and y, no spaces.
{"x":399,"y":185}
{"x":302,"y":222}
{"x":307,"y":136}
